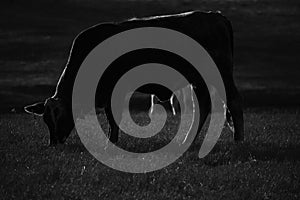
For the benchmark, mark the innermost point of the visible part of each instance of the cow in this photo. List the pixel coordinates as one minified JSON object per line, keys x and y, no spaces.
{"x":210,"y":29}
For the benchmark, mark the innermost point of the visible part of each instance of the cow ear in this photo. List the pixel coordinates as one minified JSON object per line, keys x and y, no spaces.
{"x":36,"y":109}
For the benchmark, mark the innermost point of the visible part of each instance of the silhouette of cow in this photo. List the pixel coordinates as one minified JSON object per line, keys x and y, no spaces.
{"x":212,"y":30}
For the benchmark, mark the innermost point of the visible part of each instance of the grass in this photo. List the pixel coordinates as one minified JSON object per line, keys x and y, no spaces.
{"x":265,"y":167}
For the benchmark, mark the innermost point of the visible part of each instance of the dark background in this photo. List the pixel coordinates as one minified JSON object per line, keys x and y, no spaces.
{"x":35,"y":39}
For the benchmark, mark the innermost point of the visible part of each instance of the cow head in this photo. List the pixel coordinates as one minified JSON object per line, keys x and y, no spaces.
{"x":57,"y":116}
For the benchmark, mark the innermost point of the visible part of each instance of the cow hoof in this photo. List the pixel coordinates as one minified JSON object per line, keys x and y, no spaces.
{"x":114,"y":140}
{"x":52,"y":143}
{"x":62,"y":141}
{"x":239,"y":140}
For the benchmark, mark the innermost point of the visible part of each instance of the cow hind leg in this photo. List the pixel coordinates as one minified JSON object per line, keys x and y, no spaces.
{"x":152,"y":105}
{"x":229,"y":120}
{"x":204,"y":108}
{"x":234,"y":102}
{"x":172,"y":104}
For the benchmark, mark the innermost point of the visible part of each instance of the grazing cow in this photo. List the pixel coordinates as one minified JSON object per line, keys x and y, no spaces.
{"x":212,"y":30}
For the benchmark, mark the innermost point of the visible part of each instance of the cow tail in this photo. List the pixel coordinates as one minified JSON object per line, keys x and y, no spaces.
{"x":231,"y":34}
{"x":230,"y":29}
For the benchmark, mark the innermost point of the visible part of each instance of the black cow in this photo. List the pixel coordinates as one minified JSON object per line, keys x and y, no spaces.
{"x":212,"y":30}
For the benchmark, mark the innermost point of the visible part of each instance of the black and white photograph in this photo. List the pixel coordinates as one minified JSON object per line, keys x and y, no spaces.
{"x":150,"y":99}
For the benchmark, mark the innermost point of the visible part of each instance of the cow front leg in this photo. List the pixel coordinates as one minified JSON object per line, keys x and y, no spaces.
{"x":114,"y":128}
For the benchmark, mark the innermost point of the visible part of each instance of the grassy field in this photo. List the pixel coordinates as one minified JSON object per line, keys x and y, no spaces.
{"x":35,"y":38}
{"x":267,"y":166}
